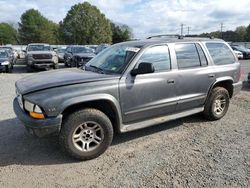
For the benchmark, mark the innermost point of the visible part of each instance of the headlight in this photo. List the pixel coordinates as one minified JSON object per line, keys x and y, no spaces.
{"x":29,"y":55}
{"x":34,"y":110}
{"x":5,"y":63}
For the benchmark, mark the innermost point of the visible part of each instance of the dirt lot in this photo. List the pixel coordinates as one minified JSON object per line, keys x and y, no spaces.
{"x":189,"y":152}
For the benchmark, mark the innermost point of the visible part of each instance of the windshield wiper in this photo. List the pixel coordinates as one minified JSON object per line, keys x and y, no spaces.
{"x":99,"y":70}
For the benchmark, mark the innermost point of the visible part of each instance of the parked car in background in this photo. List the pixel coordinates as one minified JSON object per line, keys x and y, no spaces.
{"x":243,"y":50}
{"x":77,"y":55}
{"x":129,"y":86}
{"x":21,"y":54}
{"x":60,"y":52}
{"x":238,"y":54}
{"x":12,"y":53}
{"x":101,"y":47}
{"x":6,"y":61}
{"x":92,"y":47}
{"x":40,"y":55}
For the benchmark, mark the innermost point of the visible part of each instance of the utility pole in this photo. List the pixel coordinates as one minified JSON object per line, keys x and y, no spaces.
{"x":182,"y":29}
{"x":221,"y":29}
{"x":188,"y":30}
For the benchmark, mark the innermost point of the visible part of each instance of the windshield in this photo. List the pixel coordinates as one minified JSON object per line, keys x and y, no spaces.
{"x":39,"y":48}
{"x":3,"y":54}
{"x":61,"y":50}
{"x":242,"y":48}
{"x":78,"y":50}
{"x":113,"y":60}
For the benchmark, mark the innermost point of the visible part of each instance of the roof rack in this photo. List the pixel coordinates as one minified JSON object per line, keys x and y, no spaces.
{"x":166,"y":36}
{"x":180,"y":36}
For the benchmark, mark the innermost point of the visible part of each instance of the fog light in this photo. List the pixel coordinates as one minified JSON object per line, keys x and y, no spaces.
{"x":36,"y":115}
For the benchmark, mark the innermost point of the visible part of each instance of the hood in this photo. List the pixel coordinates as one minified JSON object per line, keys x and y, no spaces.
{"x":85,"y":54}
{"x":40,"y":52}
{"x":50,"y":79}
{"x":3,"y":59}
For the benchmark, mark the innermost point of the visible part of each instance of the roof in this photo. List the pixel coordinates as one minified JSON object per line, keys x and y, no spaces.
{"x":45,"y":44}
{"x":171,"y":39}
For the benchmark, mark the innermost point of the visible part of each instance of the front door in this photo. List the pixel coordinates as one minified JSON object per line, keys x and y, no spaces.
{"x":150,"y":95}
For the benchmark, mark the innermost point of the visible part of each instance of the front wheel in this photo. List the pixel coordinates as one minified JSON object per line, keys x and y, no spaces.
{"x":217,"y":104}
{"x":56,"y":66}
{"x":86,"y":134}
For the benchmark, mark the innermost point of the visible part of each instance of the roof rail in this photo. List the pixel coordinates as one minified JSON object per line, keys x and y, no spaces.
{"x":166,"y":36}
{"x":181,"y":37}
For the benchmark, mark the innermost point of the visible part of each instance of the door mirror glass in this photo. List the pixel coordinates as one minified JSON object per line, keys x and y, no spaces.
{"x":143,"y":68}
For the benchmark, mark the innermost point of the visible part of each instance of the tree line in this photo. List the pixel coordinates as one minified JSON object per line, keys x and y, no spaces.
{"x":83,"y":24}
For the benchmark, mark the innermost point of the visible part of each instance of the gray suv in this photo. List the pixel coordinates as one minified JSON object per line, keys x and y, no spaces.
{"x":39,"y":55}
{"x":129,"y":86}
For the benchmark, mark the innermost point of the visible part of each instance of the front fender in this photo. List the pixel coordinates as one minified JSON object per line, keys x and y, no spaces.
{"x":89,"y":98}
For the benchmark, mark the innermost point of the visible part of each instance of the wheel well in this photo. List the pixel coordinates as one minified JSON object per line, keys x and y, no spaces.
{"x":103,"y":105}
{"x":227,"y":84}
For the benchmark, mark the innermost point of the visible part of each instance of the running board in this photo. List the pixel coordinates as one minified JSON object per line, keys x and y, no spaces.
{"x":159,"y":120}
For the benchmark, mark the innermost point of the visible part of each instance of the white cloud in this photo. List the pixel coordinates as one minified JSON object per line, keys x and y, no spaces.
{"x":145,"y":17}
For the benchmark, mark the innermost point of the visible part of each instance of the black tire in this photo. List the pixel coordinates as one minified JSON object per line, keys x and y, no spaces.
{"x":70,"y":126}
{"x":56,"y":66}
{"x":7,"y":69}
{"x":30,"y":68}
{"x":215,"y":110}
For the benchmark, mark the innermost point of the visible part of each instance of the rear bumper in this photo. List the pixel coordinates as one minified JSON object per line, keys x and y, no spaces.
{"x":38,"y":127}
{"x":237,"y":87}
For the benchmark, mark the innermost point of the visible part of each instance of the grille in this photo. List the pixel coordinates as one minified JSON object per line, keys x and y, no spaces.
{"x":85,"y":59}
{"x":42,"y":56}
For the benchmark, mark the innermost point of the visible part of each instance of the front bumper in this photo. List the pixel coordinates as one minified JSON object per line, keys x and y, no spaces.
{"x":44,"y":63}
{"x":237,"y":87}
{"x":38,"y":127}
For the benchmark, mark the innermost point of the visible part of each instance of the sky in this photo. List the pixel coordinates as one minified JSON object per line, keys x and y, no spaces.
{"x":145,"y":17}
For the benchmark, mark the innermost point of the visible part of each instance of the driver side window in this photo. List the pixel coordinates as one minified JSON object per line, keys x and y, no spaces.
{"x":158,"y":56}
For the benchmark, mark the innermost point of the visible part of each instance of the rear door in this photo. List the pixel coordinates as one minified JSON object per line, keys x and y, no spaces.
{"x":195,"y":76}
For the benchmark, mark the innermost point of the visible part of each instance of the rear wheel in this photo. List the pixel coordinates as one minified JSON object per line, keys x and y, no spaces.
{"x":86,"y":134}
{"x":217,"y":104}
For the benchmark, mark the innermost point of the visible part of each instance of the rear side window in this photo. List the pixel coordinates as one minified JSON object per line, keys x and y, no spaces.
{"x":187,"y":56}
{"x":220,"y":53}
{"x":202,"y":56}
{"x":158,"y":56}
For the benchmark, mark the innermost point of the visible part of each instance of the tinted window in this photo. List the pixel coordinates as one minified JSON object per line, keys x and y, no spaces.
{"x":187,"y":56}
{"x":158,"y":56}
{"x":220,"y":53}
{"x":202,"y":56}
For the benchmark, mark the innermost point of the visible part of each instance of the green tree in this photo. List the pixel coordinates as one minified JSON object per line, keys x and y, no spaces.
{"x":85,"y":24}
{"x":247,"y":36}
{"x":120,"y":33}
{"x":241,"y":33}
{"x":36,"y":28}
{"x":8,"y":35}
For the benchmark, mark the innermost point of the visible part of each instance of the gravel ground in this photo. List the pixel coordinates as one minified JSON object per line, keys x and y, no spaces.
{"x":189,"y":152}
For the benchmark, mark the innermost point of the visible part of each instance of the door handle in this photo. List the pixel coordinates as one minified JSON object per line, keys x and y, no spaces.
{"x":170,"y":81}
{"x":211,"y":75}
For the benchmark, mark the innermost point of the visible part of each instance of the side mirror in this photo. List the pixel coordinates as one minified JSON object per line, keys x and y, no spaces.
{"x":143,"y":68}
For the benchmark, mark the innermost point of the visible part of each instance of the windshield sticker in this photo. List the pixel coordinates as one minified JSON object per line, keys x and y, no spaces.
{"x":132,"y":49}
